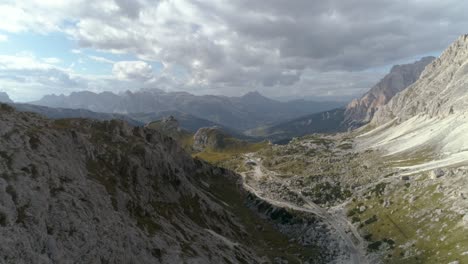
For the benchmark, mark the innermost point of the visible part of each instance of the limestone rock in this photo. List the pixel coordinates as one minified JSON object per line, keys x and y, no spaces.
{"x":209,"y":137}
{"x":400,"y":77}
{"x":83,"y":191}
{"x":436,"y":173}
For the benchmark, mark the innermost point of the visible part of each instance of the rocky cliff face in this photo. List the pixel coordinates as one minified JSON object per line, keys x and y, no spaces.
{"x":440,"y":91}
{"x":81,"y":191}
{"x":430,"y":116}
{"x":362,"y":110}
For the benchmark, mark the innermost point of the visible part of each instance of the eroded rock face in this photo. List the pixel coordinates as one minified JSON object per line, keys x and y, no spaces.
{"x":209,"y":137}
{"x":362,"y":110}
{"x":81,"y":191}
{"x":440,"y":92}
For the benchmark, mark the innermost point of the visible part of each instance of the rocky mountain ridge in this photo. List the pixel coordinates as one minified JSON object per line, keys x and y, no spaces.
{"x":440,"y":91}
{"x":361,"y":111}
{"x":431,"y":114}
{"x":84,"y":191}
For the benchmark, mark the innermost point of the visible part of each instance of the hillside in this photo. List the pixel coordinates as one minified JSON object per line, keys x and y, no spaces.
{"x":323,"y":122}
{"x":60,"y":113}
{"x":430,"y":116}
{"x":83,"y":191}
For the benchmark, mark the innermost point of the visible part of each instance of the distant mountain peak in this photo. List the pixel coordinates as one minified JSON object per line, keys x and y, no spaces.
{"x":253,"y":94}
{"x":440,"y":91}
{"x":4,"y":98}
{"x":362,"y":110}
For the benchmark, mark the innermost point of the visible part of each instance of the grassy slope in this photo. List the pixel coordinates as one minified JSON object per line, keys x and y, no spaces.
{"x":417,"y":225}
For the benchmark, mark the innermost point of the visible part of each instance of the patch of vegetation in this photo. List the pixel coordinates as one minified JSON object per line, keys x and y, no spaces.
{"x":21,"y":215}
{"x":413,"y":232}
{"x":218,"y":156}
{"x":371,"y":220}
{"x":326,"y":192}
{"x":345,"y":146}
{"x":4,"y":155}
{"x":379,"y":189}
{"x":374,"y":246}
{"x":144,"y":219}
{"x":3,"y":219}
{"x":6,"y":108}
{"x":412,"y":158}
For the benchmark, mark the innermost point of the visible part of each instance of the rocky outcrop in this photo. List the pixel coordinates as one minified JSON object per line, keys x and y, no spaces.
{"x":360,"y":111}
{"x":83,"y":191}
{"x":167,"y":125}
{"x":209,"y":137}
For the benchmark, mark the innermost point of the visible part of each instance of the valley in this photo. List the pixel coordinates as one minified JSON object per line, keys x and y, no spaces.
{"x":145,"y":132}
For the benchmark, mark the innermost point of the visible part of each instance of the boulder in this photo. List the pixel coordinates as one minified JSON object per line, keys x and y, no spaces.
{"x":436,"y":173}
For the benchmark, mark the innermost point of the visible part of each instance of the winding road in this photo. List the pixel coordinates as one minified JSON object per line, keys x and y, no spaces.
{"x":354,"y":243}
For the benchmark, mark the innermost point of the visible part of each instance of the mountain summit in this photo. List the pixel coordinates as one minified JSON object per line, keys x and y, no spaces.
{"x":400,"y":77}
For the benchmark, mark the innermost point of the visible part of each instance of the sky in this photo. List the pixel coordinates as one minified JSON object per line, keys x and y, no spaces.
{"x":281,"y":48}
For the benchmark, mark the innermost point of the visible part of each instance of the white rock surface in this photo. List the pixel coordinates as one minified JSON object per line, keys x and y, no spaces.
{"x":429,"y":116}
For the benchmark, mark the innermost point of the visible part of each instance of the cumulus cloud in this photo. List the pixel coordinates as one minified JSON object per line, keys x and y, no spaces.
{"x":26,"y":78}
{"x":264,"y":44}
{"x":132,"y":70}
{"x":271,"y":43}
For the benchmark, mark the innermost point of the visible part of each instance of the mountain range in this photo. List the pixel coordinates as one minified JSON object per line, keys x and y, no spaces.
{"x":239,"y":113}
{"x":251,"y":114}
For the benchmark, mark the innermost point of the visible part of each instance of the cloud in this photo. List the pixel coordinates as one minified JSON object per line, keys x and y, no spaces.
{"x":25,"y":77}
{"x":132,"y":70}
{"x":52,"y":60}
{"x":3,"y":38}
{"x":101,"y":59}
{"x":261,"y":43}
{"x":274,"y":45}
